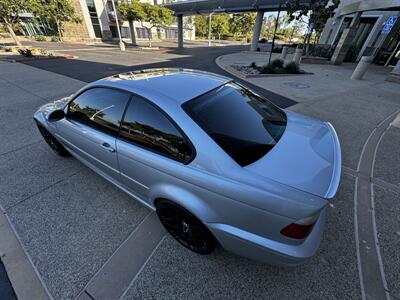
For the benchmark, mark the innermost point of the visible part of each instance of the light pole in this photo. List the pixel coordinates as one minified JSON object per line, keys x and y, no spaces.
{"x":121,"y":43}
{"x":209,"y":30}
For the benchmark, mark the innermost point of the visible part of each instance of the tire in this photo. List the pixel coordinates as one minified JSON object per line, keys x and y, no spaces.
{"x":185,"y":227}
{"x":52,"y":142}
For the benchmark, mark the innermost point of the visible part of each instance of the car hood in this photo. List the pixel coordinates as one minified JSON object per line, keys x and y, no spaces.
{"x":307,"y":157}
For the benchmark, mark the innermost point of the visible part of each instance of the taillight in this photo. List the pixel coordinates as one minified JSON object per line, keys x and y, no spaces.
{"x":301,"y":228}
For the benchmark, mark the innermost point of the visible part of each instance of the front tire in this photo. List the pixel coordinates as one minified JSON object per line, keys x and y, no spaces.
{"x":52,"y":142}
{"x":185,"y":227}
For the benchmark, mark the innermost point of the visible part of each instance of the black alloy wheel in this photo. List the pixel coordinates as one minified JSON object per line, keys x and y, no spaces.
{"x":52,"y":142}
{"x":185,"y":227}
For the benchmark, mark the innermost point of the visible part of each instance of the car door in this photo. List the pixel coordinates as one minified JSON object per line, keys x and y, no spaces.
{"x":91,"y":126}
{"x":149,"y":144}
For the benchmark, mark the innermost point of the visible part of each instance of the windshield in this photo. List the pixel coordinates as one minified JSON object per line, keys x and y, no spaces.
{"x":242,"y":123}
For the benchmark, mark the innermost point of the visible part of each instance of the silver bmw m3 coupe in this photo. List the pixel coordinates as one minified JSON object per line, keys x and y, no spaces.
{"x":218,"y":163}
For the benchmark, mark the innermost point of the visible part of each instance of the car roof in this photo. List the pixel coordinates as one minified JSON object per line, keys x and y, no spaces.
{"x":179,"y":85}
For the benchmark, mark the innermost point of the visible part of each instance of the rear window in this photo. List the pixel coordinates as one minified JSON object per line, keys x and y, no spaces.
{"x":242,"y":123}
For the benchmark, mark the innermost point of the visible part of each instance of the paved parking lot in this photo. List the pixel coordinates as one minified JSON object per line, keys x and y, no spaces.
{"x":73,"y":224}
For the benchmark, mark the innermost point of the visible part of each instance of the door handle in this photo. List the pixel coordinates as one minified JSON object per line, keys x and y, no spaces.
{"x":108,"y":147}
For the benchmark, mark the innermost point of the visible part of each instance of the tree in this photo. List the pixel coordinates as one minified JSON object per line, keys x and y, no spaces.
{"x":219,"y":25}
{"x":297,"y":29}
{"x":9,"y":15}
{"x":241,"y":24}
{"x":201,"y":24}
{"x":156,"y":16}
{"x":58,"y":12}
{"x":132,"y":12}
{"x":318,"y":12}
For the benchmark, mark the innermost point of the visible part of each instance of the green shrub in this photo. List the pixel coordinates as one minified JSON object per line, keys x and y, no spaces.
{"x":268,"y":69}
{"x":292,"y":68}
{"x":8,"y":49}
{"x":278,"y":63}
{"x":55,"y":39}
{"x":25,"y":52}
{"x":39,"y":38}
{"x":42,"y":51}
{"x":253,"y":65}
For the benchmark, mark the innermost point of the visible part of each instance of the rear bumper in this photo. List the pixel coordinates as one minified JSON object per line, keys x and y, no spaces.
{"x":265,"y":250}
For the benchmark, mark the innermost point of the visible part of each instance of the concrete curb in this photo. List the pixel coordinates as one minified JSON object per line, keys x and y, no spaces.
{"x":115,"y":276}
{"x":275,"y":75}
{"x":229,"y":69}
{"x":25,"y":59}
{"x":23,"y":275}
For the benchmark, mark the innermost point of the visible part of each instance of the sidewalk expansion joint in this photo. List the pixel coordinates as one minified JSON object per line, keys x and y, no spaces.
{"x":116,"y":275}
{"x":376,"y":181}
{"x":42,"y":190}
{"x":23,"y":147}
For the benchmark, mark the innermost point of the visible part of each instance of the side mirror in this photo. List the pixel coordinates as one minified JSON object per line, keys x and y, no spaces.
{"x":56,"y":115}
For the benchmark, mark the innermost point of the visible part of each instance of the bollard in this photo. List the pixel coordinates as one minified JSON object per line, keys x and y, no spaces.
{"x":297,"y":55}
{"x":284,"y":52}
{"x":121,"y":46}
{"x":362,"y":67}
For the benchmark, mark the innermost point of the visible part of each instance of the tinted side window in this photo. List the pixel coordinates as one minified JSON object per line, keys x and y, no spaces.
{"x":101,"y":108}
{"x":148,"y":127}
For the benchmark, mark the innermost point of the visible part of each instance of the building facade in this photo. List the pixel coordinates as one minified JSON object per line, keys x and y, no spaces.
{"x":377,"y":32}
{"x":99,"y":22}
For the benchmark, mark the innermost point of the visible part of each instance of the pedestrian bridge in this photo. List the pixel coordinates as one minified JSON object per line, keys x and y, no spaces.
{"x":198,"y":7}
{"x":195,"y":7}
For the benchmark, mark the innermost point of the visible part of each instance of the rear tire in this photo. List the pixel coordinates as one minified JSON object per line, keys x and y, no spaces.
{"x":52,"y":142}
{"x":185,"y":227}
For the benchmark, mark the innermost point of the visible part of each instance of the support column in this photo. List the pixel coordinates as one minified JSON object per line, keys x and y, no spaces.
{"x":180,"y":31}
{"x":346,"y":40}
{"x":257,"y":30}
{"x":132,"y":31}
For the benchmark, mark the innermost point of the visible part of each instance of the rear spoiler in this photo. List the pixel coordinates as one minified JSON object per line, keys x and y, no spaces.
{"x":337,"y":168}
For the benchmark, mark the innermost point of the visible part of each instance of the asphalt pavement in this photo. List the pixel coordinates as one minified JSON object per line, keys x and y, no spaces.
{"x":6,"y":290}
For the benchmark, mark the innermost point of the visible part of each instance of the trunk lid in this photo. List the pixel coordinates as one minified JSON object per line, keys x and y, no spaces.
{"x":307,"y":157}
